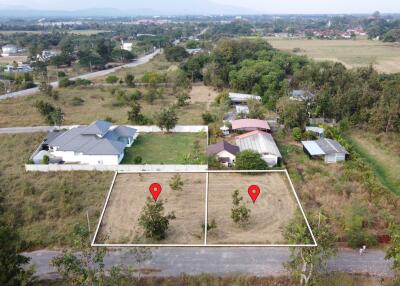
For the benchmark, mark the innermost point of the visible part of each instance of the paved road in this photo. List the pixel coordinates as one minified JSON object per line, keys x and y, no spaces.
{"x":224,"y":261}
{"x":31,"y":129}
{"x":92,"y":75}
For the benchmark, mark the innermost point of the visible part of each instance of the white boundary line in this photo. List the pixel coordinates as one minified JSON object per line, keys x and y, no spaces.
{"x":104,"y":208}
{"x":206,"y":214}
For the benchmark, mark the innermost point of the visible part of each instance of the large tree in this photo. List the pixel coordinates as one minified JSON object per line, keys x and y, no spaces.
{"x":249,"y":160}
{"x":167,"y":119}
{"x":292,"y":113}
{"x":306,"y":262}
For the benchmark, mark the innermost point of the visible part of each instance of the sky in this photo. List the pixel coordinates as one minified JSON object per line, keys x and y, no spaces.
{"x":258,"y":6}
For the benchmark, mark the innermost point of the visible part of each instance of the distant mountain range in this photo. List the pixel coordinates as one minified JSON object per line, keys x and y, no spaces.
{"x":128,"y":8}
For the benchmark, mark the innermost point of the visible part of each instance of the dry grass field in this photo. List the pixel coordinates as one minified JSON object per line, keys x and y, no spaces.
{"x":11,"y":59}
{"x":353,"y":53}
{"x":120,"y":221}
{"x":272,"y":211}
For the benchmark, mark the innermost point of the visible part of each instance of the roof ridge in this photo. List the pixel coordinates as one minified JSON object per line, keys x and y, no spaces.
{"x":330,"y":144}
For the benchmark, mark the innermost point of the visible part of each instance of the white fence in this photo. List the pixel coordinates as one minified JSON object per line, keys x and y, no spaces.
{"x":114,"y":168}
{"x":178,"y":128}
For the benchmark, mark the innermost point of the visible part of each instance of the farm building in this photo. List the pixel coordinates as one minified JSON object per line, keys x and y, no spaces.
{"x":261,"y":142}
{"x":245,"y":125}
{"x":328,"y":149}
{"x":302,"y":95}
{"x":224,"y":151}
{"x":18,"y":69}
{"x":238,"y":98}
{"x":99,"y":143}
{"x":9,"y":50}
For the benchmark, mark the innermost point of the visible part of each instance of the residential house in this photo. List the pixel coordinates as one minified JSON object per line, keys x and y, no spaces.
{"x":19,"y":69}
{"x":302,"y":95}
{"x":261,"y":142}
{"x":9,"y":50}
{"x":127,"y":46}
{"x":99,"y":143}
{"x":328,"y":149}
{"x":239,"y":98}
{"x":245,"y":125}
{"x":224,"y":151}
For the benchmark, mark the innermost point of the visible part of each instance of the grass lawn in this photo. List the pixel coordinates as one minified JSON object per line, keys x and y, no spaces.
{"x":44,"y":207}
{"x":169,"y":148}
{"x":352,"y":53}
{"x":382,"y":153}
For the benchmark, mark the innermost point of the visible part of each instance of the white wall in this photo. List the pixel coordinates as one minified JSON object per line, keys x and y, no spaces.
{"x":271,"y":160}
{"x":225,"y":154}
{"x":114,"y":168}
{"x":333,"y":158}
{"x":72,"y":157}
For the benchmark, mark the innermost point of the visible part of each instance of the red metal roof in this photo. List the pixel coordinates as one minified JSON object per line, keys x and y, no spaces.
{"x":250,"y":123}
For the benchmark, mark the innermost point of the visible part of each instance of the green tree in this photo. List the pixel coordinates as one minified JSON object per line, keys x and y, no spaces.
{"x":130,"y":80}
{"x":393,"y":252}
{"x":292,"y":113}
{"x":12,"y":264}
{"x":175,"y":54}
{"x":121,"y":55}
{"x":305,"y":262}
{"x":182,"y":98}
{"x":153,"y":220}
{"x":167,"y":119}
{"x":207,"y":117}
{"x":56,"y":117}
{"x":240,"y":214}
{"x":249,"y":160}
{"x":296,"y":133}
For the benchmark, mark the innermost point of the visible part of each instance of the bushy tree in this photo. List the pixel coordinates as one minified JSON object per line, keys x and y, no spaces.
{"x":393,"y":252}
{"x":292,"y":113}
{"x":182,"y":98}
{"x":112,"y":79}
{"x":130,"y":80}
{"x":306,"y":262}
{"x":135,"y":116}
{"x":240,"y":214}
{"x":296,"y":133}
{"x":249,"y":160}
{"x":176,"y":183}
{"x":175,"y":54}
{"x":153,"y":220}
{"x":167,"y":119}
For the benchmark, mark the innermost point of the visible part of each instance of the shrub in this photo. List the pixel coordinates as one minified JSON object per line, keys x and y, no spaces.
{"x":130,"y":80}
{"x":153,"y":220}
{"x":176,"y":183}
{"x":46,"y":160}
{"x":137,"y":160}
{"x":76,"y":101}
{"x":296,"y":133}
{"x":210,"y":226}
{"x":207,"y":117}
{"x":112,"y":79}
{"x":239,"y":213}
{"x":61,"y":74}
{"x":65,"y":82}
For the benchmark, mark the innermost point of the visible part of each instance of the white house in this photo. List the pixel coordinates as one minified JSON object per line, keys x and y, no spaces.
{"x":127,"y":46}
{"x":224,"y":151}
{"x":99,"y":143}
{"x":261,"y":142}
{"x":9,"y":50}
{"x":328,"y":149}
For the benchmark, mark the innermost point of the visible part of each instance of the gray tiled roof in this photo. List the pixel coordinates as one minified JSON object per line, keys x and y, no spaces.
{"x":98,"y":127}
{"x":78,"y":140}
{"x":221,"y":146}
{"x":323,"y":146}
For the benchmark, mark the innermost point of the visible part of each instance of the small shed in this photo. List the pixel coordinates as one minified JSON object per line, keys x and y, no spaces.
{"x":245,"y":125}
{"x":319,"y":131}
{"x":329,"y":149}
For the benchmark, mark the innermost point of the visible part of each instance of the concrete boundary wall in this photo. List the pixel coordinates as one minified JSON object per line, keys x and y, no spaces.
{"x":114,"y":168}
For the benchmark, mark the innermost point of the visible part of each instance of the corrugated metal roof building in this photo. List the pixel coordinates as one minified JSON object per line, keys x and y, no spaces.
{"x":242,"y":97}
{"x":261,"y":142}
{"x":330,"y":149}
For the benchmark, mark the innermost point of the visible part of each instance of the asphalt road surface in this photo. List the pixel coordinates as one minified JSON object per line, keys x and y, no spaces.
{"x":91,"y":75}
{"x":256,"y":261}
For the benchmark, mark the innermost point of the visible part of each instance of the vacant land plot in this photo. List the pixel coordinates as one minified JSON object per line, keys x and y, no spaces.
{"x":45,"y":207}
{"x":98,"y":103}
{"x":203,"y":94}
{"x":383,"y":156}
{"x":10,"y":60}
{"x":352,"y":53}
{"x":168,"y":148}
{"x":272,"y":211}
{"x":120,"y":221}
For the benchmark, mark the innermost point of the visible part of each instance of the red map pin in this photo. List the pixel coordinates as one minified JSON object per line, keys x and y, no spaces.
{"x":254,"y":192}
{"x":155,"y":190}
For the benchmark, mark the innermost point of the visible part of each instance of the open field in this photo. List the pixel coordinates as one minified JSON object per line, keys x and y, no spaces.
{"x":352,"y":53}
{"x":78,"y":32}
{"x":45,"y":207}
{"x":98,"y":104}
{"x":166,"y":148}
{"x":11,"y":59}
{"x":120,"y":221}
{"x":382,"y":152}
{"x":272,"y":211}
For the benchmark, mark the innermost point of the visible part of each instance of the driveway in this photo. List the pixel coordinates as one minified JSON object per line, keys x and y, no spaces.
{"x":257,"y":261}
{"x":138,"y":62}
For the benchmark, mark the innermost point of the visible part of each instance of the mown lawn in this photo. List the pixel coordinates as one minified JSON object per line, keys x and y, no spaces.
{"x":45,"y":207}
{"x":168,"y":148}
